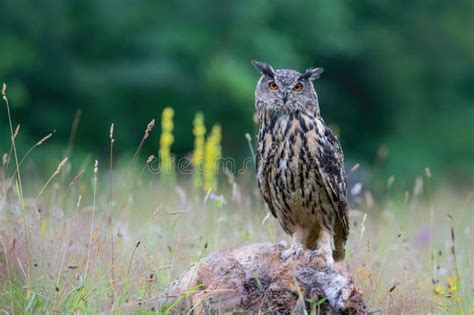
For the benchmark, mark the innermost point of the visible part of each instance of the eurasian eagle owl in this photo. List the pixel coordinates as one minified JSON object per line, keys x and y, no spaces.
{"x":300,"y":163}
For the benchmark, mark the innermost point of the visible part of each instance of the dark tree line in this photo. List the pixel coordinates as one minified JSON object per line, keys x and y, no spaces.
{"x":398,"y":74}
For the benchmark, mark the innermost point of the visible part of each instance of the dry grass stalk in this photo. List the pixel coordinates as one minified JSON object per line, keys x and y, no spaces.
{"x":71,"y":184}
{"x":96,"y":170}
{"x":135,"y":156}
{"x":40,"y":142}
{"x":56,"y":172}
{"x":131,"y":258}
{"x":44,"y":139}
{"x":111,"y":203}
{"x":149,"y":127}
{"x":72,"y":135}
{"x":19,"y":183}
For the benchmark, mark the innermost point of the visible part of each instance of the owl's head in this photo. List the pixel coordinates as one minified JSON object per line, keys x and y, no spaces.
{"x":284,"y":91}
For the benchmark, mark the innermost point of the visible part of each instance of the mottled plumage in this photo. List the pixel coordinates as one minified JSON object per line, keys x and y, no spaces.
{"x":300,"y":163}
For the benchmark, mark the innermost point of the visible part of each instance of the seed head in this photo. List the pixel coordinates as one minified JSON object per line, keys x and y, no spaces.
{"x":149,"y":127}
{"x":44,"y":139}
{"x":111,"y":133}
{"x":150,"y":158}
{"x":17,"y":130}
{"x":60,"y":166}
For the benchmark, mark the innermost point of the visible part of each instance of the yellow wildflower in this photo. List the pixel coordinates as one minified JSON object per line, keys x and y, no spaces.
{"x":212,"y":155}
{"x":166,"y":140}
{"x":438,"y":289}
{"x":451,"y":281}
{"x":43,"y":227}
{"x":199,"y":132}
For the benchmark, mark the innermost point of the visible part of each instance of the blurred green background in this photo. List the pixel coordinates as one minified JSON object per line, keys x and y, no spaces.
{"x":398,"y":85}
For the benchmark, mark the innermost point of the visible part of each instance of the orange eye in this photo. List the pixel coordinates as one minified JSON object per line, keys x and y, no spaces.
{"x":298,"y":87}
{"x":272,"y":86}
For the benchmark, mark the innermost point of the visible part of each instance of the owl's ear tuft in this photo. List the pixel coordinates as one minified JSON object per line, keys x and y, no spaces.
{"x":312,"y":74}
{"x":263,"y":68}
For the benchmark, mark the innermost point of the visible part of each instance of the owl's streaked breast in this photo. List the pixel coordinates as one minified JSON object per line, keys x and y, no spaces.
{"x":287,"y":164}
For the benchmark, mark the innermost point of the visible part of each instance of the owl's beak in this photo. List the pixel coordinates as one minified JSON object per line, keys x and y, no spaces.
{"x":285,"y":97}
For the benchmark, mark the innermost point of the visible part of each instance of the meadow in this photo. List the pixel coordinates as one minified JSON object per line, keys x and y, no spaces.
{"x":100,"y":236}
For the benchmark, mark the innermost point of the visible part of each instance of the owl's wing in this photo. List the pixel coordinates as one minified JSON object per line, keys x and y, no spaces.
{"x":330,"y":162}
{"x":265,"y":190}
{"x":262,"y":181}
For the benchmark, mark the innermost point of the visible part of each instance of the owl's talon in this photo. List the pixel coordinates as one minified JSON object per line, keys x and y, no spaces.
{"x":296,"y":251}
{"x":314,"y":253}
{"x":283,"y":244}
{"x":299,"y":252}
{"x":286,"y":254}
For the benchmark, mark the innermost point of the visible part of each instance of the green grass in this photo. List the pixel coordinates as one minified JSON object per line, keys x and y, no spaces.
{"x":88,"y":240}
{"x":399,"y":251}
